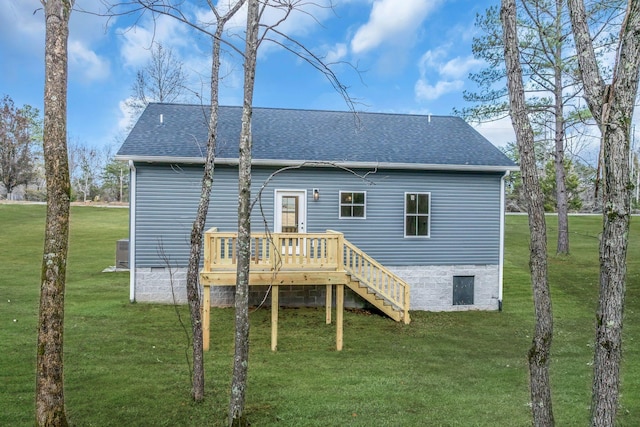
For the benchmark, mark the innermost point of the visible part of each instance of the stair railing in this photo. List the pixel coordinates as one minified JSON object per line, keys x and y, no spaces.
{"x":378,"y":278}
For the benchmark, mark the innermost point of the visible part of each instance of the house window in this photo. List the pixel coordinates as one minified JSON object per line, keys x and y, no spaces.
{"x":352,"y":204}
{"x":463,"y":290}
{"x":417,"y":207}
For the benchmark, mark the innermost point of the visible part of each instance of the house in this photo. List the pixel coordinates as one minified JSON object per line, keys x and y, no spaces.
{"x":421,"y":195}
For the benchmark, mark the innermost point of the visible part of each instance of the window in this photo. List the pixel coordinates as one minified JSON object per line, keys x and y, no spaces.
{"x":416,"y":214}
{"x":352,"y":204}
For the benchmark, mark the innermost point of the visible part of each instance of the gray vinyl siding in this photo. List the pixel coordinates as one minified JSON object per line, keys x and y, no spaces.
{"x":465,"y":211}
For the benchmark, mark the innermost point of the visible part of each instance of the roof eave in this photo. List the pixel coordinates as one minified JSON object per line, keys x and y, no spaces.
{"x":316,"y":163}
{"x":159,"y":159}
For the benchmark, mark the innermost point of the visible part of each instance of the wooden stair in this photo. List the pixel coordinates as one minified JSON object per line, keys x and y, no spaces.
{"x":376,"y":284}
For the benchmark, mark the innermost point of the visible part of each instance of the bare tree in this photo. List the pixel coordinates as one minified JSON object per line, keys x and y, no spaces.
{"x":611,"y":105}
{"x":161,"y":80}
{"x":539,"y":353}
{"x":85,"y":166}
{"x":255,"y":11}
{"x":241,"y":354}
{"x":50,"y":409}
{"x":193,"y":279}
{"x":16,"y":137}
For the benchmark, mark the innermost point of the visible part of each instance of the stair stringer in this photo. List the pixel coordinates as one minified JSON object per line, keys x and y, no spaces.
{"x":369,"y":295}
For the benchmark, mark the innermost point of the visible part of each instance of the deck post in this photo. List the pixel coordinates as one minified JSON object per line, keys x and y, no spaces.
{"x":328,"y":304}
{"x":339,"y":315}
{"x":208,"y":248}
{"x":206,"y":309}
{"x":340,"y":252}
{"x":274,"y":317}
{"x":406,"y":306}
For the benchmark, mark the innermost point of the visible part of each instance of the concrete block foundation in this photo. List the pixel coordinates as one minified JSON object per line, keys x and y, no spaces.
{"x":432,"y":289}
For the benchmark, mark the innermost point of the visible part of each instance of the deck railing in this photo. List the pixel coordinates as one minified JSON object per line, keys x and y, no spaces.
{"x":313,"y":252}
{"x":275,"y":251}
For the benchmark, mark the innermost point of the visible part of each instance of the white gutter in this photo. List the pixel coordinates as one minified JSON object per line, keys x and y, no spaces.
{"x":316,"y":163}
{"x":132,"y":231}
{"x":501,"y":254}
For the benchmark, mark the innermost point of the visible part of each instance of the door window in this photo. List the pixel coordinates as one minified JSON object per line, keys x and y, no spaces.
{"x":289,"y":214}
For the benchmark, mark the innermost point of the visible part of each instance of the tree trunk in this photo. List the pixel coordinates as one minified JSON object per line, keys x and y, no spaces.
{"x":612,"y":107}
{"x":50,"y":409}
{"x":193,"y":282}
{"x":241,"y":356}
{"x":539,"y":354}
{"x":615,"y":128}
{"x":193,"y":288}
{"x":613,"y":252}
{"x":561,"y":187}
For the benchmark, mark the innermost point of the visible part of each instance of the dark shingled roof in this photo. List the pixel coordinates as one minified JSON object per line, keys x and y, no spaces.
{"x":174,"y":131}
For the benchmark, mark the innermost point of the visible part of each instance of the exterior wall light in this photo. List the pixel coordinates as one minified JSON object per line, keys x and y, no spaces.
{"x":316,"y":194}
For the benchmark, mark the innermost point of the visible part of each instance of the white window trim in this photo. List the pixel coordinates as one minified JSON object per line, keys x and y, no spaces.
{"x":404,"y":217}
{"x":340,"y":205}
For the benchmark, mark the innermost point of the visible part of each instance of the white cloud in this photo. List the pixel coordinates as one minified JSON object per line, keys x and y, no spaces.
{"x":127,"y":115}
{"x":138,"y":40}
{"x":432,"y":57}
{"x":86,"y":62}
{"x":450,"y":74}
{"x":499,"y":132}
{"x":425,"y":91}
{"x":335,"y":53}
{"x":21,"y":29}
{"x":390,"y":21}
{"x":455,"y":68}
{"x":458,"y":67}
{"x":135,"y":50}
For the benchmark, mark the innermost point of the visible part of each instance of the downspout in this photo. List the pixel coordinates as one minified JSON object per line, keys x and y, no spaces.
{"x":132,"y":231}
{"x":501,"y":254}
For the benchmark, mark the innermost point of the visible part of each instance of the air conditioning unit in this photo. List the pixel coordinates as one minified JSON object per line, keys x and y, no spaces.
{"x":122,"y":253}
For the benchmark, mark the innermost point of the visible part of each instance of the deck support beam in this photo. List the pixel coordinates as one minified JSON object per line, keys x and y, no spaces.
{"x":275,"y":306}
{"x":339,"y":315}
{"x":328,"y":304}
{"x":206,"y":313}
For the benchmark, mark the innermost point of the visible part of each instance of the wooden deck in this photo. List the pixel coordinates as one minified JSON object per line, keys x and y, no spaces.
{"x":303,"y":259}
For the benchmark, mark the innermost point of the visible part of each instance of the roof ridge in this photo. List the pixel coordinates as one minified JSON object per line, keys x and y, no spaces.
{"x":385,"y":113}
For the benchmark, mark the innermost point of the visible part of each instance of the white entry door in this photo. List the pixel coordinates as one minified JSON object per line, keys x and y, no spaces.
{"x":291,"y":211}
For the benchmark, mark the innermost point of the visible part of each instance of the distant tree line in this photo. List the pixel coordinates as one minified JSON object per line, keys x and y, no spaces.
{"x":580,"y":182}
{"x":583,"y":194}
{"x":95,"y":175}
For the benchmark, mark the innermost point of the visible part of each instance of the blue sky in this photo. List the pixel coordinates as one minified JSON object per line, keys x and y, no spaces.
{"x":414,"y":56}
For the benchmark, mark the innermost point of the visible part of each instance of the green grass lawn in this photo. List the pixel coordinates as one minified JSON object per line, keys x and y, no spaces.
{"x":127,"y":364}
